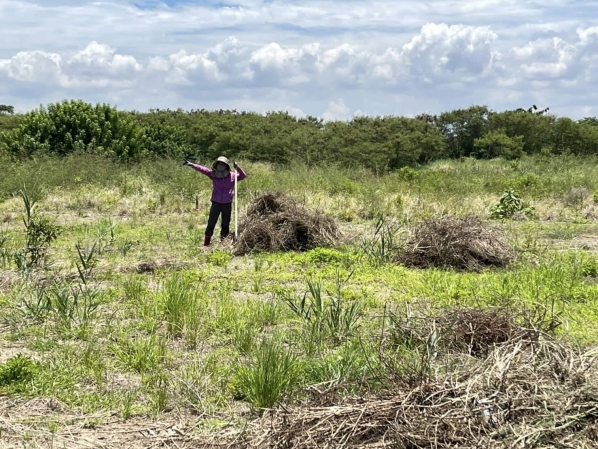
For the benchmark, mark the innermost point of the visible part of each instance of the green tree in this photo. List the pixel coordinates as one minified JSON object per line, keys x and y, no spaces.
{"x":589,"y":121}
{"x":6,"y":109}
{"x":462,"y":127}
{"x":498,"y":144}
{"x":75,"y":126}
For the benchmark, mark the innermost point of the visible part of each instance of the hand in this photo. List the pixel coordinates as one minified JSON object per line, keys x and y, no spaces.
{"x":187,"y":163}
{"x":235,"y":166}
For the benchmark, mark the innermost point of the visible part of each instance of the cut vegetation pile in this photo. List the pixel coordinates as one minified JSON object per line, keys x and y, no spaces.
{"x":466,"y":244}
{"x":275,"y":222}
{"x":514,"y":387}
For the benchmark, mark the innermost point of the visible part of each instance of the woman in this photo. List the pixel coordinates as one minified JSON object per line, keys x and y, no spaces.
{"x":223,"y":182}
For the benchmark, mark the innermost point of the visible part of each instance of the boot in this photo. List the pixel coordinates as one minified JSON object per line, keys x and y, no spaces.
{"x":206,"y":240}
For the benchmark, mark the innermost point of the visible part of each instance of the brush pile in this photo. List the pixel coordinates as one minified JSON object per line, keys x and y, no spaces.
{"x":275,"y":222}
{"x":465,"y":244}
{"x":524,"y":389}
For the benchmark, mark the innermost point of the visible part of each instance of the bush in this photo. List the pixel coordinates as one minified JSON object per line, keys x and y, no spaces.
{"x":509,"y":204}
{"x":77,"y":127}
{"x":498,"y":144}
{"x":40,"y":233}
{"x":596,"y":197}
{"x":408,"y":174}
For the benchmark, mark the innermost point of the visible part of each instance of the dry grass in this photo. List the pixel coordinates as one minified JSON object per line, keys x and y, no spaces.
{"x":530,"y":391}
{"x":466,"y":244}
{"x":275,"y":222}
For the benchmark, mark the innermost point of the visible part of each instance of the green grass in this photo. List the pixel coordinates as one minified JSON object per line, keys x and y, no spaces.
{"x":130,"y":317}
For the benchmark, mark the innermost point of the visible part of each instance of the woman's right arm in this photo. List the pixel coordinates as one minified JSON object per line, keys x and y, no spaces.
{"x":200,"y":168}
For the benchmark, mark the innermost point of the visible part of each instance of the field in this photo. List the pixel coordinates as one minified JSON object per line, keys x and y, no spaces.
{"x":128,"y":333}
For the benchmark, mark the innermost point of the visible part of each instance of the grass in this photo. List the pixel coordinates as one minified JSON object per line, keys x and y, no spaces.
{"x":130,"y":317}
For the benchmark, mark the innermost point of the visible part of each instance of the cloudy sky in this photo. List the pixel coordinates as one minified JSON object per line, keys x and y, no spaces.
{"x":327,"y":58}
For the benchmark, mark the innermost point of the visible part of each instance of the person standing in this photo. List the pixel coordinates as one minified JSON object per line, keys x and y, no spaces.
{"x":223,"y":189}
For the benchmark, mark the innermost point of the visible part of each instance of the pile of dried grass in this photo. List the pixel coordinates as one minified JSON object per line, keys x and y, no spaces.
{"x":531,"y":391}
{"x":275,"y":222}
{"x":467,"y":244}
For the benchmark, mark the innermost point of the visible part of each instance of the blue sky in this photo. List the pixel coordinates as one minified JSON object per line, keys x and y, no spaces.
{"x":333,"y":59}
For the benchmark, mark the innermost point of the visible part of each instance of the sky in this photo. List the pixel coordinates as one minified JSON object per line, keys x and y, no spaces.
{"x":333,"y":59}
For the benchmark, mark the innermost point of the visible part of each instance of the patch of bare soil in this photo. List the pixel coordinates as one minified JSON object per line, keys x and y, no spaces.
{"x":30,"y":424}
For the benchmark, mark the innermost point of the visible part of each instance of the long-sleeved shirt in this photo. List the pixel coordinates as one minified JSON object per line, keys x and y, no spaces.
{"x":223,"y":188}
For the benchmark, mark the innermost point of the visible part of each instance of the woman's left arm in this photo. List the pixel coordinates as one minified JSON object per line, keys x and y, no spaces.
{"x":242,"y":175}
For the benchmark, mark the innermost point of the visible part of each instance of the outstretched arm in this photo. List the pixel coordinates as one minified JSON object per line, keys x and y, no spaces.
{"x":200,"y":168}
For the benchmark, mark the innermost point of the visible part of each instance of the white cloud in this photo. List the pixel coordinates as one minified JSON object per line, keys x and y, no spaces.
{"x":337,"y":110}
{"x":441,"y":50}
{"x":33,"y":67}
{"x":305,"y":54}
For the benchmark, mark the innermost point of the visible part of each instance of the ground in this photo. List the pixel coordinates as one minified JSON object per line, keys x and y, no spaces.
{"x":136,"y":336}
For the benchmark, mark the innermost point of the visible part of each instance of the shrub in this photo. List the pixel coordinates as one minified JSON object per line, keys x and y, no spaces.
{"x":77,"y":127}
{"x":408,"y":173}
{"x":509,"y":204}
{"x":40,"y":233}
{"x":498,"y":144}
{"x":596,"y":197}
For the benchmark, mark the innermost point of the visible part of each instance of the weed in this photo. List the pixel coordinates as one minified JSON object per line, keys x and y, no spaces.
{"x":344,"y":365}
{"x":324,"y":255}
{"x":219,"y":258}
{"x":271,"y":373}
{"x":5,"y":256}
{"x":105,"y":235}
{"x":200,"y":385}
{"x":589,"y":268}
{"x":126,"y":246}
{"x":326,"y":313}
{"x":87,"y":259}
{"x":73,"y":304}
{"x":17,"y":371}
{"x":180,"y":300}
{"x":157,"y":384}
{"x":383,"y":246}
{"x":37,"y":304}
{"x":140,"y":354}
{"x":134,"y":289}
{"x":127,"y":405}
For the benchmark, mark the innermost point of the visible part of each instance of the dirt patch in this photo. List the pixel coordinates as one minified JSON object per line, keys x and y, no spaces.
{"x":151,"y":266}
{"x":465,"y":244}
{"x":12,"y":350}
{"x":28,"y":424}
{"x":275,"y":222}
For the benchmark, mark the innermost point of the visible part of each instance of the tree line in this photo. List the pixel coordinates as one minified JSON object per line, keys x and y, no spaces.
{"x":384,"y":142}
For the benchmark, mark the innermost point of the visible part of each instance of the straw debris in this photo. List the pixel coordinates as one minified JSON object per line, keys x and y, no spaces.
{"x":465,"y":244}
{"x":531,"y":391}
{"x":275,"y":222}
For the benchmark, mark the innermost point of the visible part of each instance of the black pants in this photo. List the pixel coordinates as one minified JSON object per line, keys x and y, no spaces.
{"x":219,"y":208}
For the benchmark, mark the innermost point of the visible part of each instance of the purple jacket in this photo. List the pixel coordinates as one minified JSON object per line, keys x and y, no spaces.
{"x":223,"y":188}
